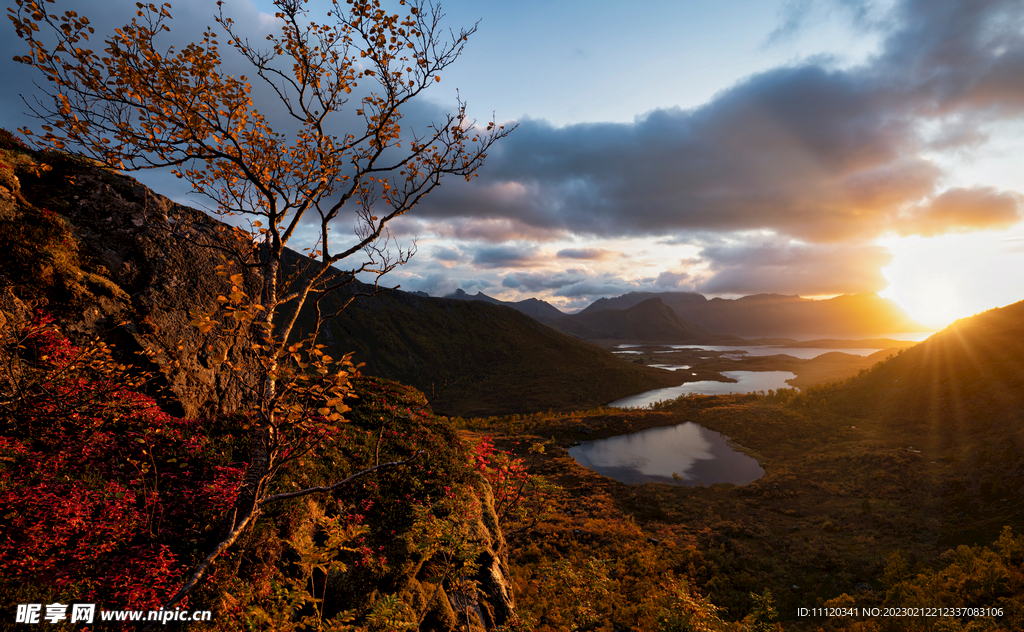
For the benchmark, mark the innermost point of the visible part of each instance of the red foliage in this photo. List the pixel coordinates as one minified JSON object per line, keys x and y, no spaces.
{"x":103,"y":496}
{"x":507,"y":474}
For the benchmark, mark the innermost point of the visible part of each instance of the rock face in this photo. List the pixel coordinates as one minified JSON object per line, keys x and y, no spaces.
{"x":135,"y":266}
{"x":492,"y":604}
{"x":495,"y":604}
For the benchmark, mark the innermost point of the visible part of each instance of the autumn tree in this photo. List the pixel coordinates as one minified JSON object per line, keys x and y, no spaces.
{"x":340,"y":151}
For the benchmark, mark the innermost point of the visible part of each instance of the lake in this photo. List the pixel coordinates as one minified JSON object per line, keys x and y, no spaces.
{"x":698,"y":456}
{"x":746,"y":382}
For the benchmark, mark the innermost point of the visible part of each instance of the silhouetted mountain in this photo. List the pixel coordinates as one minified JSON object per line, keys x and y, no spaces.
{"x":776,"y":314}
{"x":958,"y":397}
{"x":650,"y":320}
{"x":535,"y":308}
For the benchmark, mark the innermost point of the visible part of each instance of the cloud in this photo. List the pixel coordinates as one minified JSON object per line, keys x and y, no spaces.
{"x":453,"y":255}
{"x":793,"y":268}
{"x":962,"y":209}
{"x":542,"y":281}
{"x":819,"y":154}
{"x":672,"y":280}
{"x":593,"y":254}
{"x":491,"y":229}
{"x":506,"y":256}
{"x":440,"y":284}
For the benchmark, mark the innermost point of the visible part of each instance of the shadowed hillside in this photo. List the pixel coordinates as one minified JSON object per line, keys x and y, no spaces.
{"x":136,"y":258}
{"x":477,"y":358}
{"x":958,"y":399}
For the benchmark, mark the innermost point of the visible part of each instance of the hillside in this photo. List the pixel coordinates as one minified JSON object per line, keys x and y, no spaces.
{"x":776,"y":314}
{"x":477,"y":358}
{"x":116,"y":497}
{"x":121,"y":253}
{"x":968,"y":378}
{"x":955,"y":399}
{"x":903,"y":486}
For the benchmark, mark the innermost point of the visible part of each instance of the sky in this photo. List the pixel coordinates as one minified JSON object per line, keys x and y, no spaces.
{"x":805,"y":147}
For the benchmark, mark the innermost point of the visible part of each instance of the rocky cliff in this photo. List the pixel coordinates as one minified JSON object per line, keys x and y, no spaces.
{"x":108,"y":257}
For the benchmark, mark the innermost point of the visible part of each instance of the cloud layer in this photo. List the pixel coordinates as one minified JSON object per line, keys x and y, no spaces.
{"x":814,"y":153}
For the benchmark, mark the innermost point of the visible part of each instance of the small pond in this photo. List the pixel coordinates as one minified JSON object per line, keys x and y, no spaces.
{"x":696,"y":455}
{"x":746,"y":382}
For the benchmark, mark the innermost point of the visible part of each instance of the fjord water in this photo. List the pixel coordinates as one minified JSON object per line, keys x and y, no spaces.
{"x":696,"y":455}
{"x":746,"y":382}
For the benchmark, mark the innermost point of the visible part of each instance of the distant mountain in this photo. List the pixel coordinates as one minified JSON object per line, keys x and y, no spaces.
{"x":777,"y":314}
{"x":650,"y":320}
{"x":534,"y":308}
{"x":675,"y":300}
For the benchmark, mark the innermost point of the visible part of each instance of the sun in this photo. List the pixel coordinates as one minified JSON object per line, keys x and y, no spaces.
{"x":930,"y":301}
{"x":940,"y":279}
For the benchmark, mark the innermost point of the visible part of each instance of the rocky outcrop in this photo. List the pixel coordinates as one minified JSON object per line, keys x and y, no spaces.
{"x":128,"y":265}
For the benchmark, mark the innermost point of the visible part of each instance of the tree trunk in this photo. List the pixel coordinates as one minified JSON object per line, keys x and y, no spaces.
{"x":264,"y":436}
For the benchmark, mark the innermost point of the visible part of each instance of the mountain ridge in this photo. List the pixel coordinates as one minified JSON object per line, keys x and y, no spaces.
{"x":535,"y":308}
{"x":777,"y":314}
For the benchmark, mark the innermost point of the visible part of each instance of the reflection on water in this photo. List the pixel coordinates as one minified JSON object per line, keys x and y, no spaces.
{"x":693,"y":453}
{"x":746,"y":382}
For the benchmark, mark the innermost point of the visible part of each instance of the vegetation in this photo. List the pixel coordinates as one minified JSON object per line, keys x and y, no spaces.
{"x":863,"y":503}
{"x":107,"y":498}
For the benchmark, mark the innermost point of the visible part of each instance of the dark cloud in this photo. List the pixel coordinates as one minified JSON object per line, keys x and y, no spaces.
{"x":505,"y":256}
{"x":540,"y":281}
{"x":820,"y":154}
{"x":672,"y":279}
{"x":444,"y":253}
